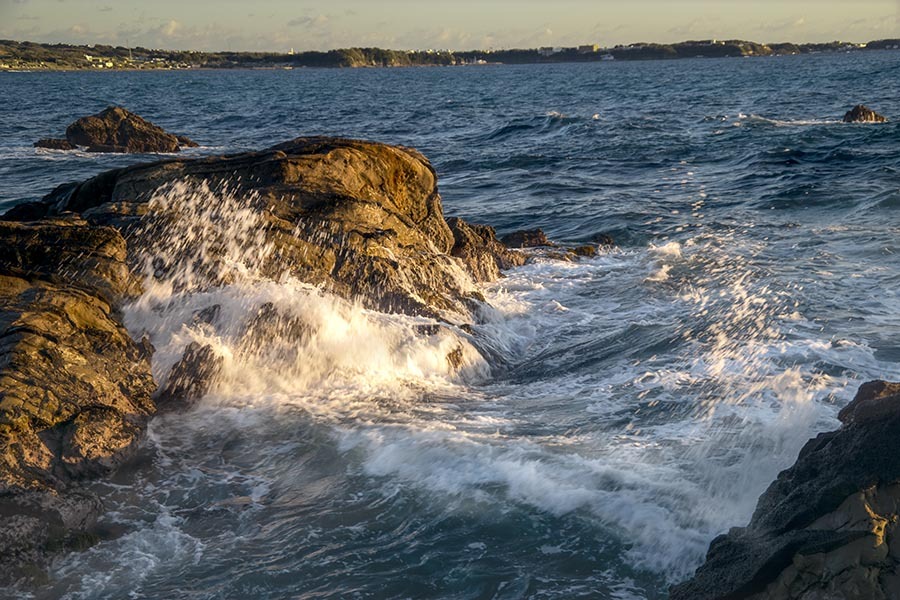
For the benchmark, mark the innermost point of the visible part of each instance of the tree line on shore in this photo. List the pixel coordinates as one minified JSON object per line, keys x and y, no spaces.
{"x":32,"y":55}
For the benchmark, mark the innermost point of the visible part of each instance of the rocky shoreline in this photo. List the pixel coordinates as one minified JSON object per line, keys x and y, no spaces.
{"x":828,"y":526}
{"x":361,"y":220}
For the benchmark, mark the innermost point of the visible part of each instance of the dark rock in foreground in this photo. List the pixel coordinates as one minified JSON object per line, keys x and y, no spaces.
{"x":863,"y":114}
{"x":117,"y":130}
{"x":828,"y":527}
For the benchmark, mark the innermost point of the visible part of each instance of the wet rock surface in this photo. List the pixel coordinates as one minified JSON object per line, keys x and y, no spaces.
{"x":361,"y":218}
{"x":827,"y":526}
{"x":483,"y":255}
{"x":74,"y":387}
{"x":117,"y":130}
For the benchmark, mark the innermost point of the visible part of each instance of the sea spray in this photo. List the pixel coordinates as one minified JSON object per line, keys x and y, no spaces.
{"x":207,"y":266}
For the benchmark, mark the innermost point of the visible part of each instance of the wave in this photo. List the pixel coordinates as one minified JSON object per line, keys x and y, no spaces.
{"x":552,"y":123}
{"x":752,"y":119}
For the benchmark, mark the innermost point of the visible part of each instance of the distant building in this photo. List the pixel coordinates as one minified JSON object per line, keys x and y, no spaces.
{"x":546,"y":51}
{"x":291,"y":53}
{"x":588,"y":49}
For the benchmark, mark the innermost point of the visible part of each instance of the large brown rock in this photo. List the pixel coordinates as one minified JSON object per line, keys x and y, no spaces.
{"x":362,"y":219}
{"x":117,"y":130}
{"x":75,"y":389}
{"x":829,"y":526}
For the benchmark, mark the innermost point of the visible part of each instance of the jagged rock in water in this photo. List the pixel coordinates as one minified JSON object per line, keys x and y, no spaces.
{"x":603,"y":239}
{"x":74,"y":387}
{"x":478,"y":248}
{"x":362,"y":219}
{"x":526,"y":238}
{"x":828,"y":526}
{"x":191,"y":377}
{"x":117,"y":130}
{"x":863,"y":114}
{"x":54,"y":144}
{"x":586,"y":251}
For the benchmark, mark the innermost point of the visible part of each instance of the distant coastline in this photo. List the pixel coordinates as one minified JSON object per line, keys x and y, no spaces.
{"x":32,"y":56}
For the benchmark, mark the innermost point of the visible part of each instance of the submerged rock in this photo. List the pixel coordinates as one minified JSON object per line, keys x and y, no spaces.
{"x":54,"y":144}
{"x":117,"y":130}
{"x":829,"y":526}
{"x":863,"y":114}
{"x":74,"y":387}
{"x":362,"y":219}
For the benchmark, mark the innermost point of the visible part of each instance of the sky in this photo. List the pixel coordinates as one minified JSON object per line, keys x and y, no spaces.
{"x":279,"y":25}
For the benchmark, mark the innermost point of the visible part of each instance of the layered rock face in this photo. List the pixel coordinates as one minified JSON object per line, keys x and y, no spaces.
{"x":863,"y":114}
{"x":117,"y":130}
{"x":828,"y":526}
{"x":75,"y":389}
{"x":362,"y":219}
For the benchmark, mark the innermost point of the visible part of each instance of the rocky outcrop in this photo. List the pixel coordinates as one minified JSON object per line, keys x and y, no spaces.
{"x":828,"y":526}
{"x":536,"y":238}
{"x":527,"y":238}
{"x":863,"y":114}
{"x":362,"y":219}
{"x":75,"y":389}
{"x":117,"y":130}
{"x":478,"y":248}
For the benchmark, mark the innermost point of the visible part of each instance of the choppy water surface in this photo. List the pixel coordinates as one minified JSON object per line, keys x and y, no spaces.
{"x":613,"y":415}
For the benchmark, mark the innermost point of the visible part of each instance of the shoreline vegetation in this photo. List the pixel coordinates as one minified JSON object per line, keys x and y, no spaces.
{"x":32,"y":56}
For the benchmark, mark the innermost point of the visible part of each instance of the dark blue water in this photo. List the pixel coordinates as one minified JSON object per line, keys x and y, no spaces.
{"x":636,"y":404}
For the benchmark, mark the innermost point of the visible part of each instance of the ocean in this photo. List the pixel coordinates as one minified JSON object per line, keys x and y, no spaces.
{"x":614,"y":414}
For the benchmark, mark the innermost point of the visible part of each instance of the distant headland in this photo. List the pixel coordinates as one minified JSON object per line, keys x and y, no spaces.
{"x":32,"y":56}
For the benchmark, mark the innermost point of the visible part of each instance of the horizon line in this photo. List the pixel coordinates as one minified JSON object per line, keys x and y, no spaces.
{"x":450,"y":50}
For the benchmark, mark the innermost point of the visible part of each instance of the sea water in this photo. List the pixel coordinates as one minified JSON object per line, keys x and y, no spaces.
{"x":611,"y":415}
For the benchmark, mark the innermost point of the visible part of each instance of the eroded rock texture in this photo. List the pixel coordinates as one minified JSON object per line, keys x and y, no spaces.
{"x":827,"y":527}
{"x":361,"y":218}
{"x":75,"y":389}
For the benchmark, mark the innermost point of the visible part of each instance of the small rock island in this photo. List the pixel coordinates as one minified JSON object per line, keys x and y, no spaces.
{"x":117,"y":130}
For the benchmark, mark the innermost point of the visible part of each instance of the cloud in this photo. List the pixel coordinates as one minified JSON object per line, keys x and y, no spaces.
{"x":169,"y":29}
{"x":309,"y":21}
